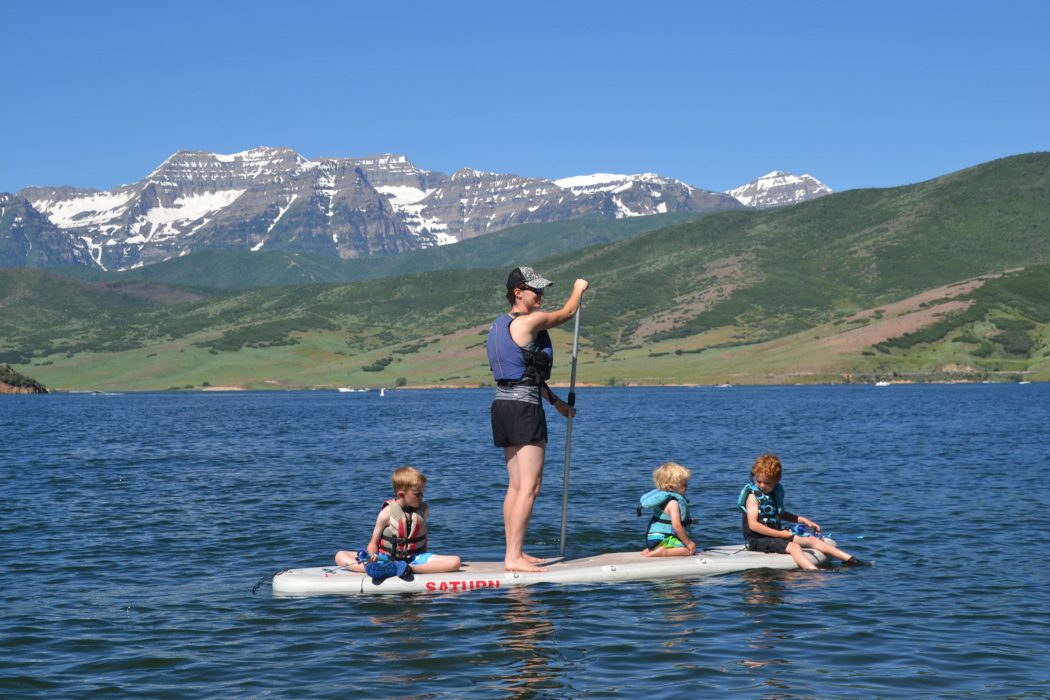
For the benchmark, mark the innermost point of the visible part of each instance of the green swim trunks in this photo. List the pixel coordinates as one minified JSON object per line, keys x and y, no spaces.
{"x":669,"y":542}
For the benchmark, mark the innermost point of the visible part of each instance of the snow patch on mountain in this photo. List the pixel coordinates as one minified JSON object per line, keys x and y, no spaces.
{"x":92,"y":209}
{"x":779,"y":188}
{"x":610,"y":182}
{"x":192,"y":207}
{"x":402,"y":195}
{"x":163,"y":222}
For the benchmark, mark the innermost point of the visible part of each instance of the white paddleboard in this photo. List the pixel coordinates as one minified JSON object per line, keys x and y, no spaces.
{"x":474,"y":576}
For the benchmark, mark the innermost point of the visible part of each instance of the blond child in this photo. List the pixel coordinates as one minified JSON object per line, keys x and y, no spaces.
{"x":399,"y":540}
{"x":666,"y":535}
{"x":762,"y":501}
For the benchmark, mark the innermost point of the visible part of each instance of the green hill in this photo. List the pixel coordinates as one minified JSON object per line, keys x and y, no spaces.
{"x":909,"y":281}
{"x":11,"y":382}
{"x":227,"y":269}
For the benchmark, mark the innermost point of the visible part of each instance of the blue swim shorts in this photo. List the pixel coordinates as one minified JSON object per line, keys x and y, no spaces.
{"x":415,"y":560}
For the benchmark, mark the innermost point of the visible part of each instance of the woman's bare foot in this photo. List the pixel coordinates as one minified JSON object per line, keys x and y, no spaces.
{"x":521,"y":564}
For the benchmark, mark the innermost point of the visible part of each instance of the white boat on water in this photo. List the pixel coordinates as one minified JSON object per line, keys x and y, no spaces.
{"x":351,"y":390}
{"x":882,"y":383}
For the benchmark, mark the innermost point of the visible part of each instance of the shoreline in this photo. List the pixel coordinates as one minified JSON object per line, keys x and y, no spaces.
{"x":585,"y":385}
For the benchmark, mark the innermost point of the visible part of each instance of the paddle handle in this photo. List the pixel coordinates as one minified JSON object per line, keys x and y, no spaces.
{"x":568,"y":430}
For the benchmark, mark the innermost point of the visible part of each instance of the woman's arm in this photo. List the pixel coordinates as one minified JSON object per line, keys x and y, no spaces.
{"x":542,"y":320}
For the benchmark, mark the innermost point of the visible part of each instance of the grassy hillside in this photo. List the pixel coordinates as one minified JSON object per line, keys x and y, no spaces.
{"x":855,"y":286}
{"x":776,"y":272}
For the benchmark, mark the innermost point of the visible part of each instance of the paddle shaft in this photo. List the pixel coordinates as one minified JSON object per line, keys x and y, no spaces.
{"x":568,"y":429}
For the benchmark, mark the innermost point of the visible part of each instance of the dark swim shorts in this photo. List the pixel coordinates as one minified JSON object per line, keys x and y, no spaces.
{"x":518,"y":423}
{"x":769,"y":545}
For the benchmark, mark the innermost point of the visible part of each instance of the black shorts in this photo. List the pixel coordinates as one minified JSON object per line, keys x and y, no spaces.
{"x":769,"y":545}
{"x":518,"y":423}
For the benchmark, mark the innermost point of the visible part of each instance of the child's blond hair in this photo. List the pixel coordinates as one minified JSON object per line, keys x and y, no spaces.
{"x":767,"y":466}
{"x":406,"y":478}
{"x":670,"y":475}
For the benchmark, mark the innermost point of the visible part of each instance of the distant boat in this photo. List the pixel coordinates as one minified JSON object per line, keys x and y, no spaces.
{"x":882,"y":383}
{"x":351,"y":390}
{"x":1026,"y":381}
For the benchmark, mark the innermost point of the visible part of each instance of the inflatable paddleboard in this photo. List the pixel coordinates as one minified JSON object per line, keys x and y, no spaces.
{"x":474,"y":576}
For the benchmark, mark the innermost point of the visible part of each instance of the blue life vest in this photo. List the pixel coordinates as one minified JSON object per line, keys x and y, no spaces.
{"x":513,"y":364}
{"x":770,"y":506}
{"x":660,"y":523}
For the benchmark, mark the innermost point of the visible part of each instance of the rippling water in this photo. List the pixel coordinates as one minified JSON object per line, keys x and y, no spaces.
{"x":134,"y":528}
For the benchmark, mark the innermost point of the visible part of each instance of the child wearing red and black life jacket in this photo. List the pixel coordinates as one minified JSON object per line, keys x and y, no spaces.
{"x":399,"y":540}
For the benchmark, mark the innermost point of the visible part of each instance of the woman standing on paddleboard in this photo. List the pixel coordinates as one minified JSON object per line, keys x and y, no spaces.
{"x":521,"y":356}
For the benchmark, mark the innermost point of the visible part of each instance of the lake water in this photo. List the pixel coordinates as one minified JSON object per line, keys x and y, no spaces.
{"x":134,"y":527}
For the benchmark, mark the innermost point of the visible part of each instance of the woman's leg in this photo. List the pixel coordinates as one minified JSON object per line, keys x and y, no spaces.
{"x":508,"y":501}
{"x":524,"y":476}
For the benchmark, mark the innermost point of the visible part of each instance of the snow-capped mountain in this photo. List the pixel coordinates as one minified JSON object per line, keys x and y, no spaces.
{"x":620,"y":196}
{"x":262,"y":197}
{"x":779,"y":189}
{"x":27,"y":238}
{"x":273,"y":198}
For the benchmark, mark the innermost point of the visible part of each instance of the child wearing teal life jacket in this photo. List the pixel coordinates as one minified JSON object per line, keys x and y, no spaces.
{"x":666,"y":535}
{"x":399,"y":540}
{"x":762,"y":503}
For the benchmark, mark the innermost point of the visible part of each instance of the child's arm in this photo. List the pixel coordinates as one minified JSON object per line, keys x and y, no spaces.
{"x":794,"y":518}
{"x":757,"y":527}
{"x":377,"y":533}
{"x":675,"y":513}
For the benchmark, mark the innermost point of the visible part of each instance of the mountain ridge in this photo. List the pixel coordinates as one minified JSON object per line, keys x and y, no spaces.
{"x":354,"y":207}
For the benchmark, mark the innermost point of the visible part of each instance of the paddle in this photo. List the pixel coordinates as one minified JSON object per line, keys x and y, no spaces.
{"x":568,"y":429}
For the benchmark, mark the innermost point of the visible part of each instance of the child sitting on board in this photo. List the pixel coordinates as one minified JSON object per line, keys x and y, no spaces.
{"x":762,"y":503}
{"x":399,"y":540}
{"x":666,"y":535}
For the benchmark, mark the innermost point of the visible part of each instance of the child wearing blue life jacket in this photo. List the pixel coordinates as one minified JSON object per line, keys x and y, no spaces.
{"x":666,"y":535}
{"x":399,"y":540}
{"x":762,"y":503}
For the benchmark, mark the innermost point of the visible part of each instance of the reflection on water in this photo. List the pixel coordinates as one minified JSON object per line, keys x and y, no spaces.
{"x":526,"y":634}
{"x":776,"y":638}
{"x":771,"y":588}
{"x":681,"y":607}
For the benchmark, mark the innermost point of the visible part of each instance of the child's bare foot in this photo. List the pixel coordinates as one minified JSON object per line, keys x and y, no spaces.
{"x":647,"y":552}
{"x":521,"y":564}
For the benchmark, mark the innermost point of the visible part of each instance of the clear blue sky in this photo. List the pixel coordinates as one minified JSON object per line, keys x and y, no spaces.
{"x":96,"y":94}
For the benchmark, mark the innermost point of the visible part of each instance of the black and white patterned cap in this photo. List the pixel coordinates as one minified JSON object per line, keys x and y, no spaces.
{"x":526,"y":277}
